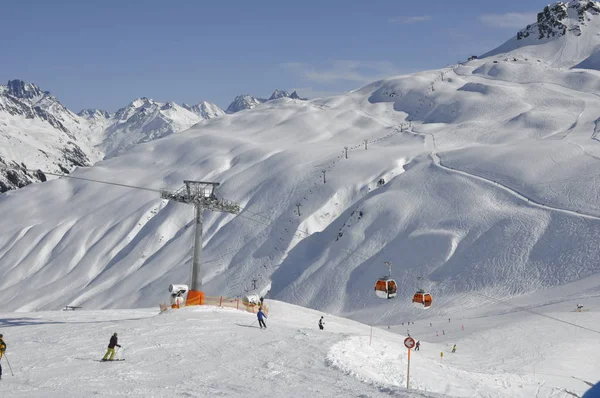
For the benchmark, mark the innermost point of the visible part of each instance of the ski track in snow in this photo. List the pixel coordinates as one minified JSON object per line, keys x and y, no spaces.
{"x":436,"y":159}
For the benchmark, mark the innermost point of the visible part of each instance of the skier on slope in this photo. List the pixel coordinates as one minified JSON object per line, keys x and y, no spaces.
{"x":321,"y":323}
{"x":418,"y":346}
{"x":114,"y":342}
{"x":261,"y":317}
{"x":2,"y":350}
{"x":454,"y":348}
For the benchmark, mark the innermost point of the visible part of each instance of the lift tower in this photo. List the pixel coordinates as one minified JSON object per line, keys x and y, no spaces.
{"x":203,"y":196}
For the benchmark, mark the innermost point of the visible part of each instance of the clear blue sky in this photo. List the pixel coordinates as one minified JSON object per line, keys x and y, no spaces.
{"x":105,"y":53}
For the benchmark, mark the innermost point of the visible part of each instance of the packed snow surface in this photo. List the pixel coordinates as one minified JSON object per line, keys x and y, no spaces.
{"x":210,"y":351}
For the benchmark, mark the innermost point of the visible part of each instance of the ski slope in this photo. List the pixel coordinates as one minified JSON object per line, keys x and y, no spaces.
{"x":209,"y":351}
{"x":487,"y":190}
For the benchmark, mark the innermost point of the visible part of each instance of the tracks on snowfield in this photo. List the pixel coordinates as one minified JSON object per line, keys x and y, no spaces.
{"x":437,"y":160}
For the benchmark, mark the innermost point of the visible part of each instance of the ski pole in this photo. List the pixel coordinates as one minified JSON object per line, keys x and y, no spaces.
{"x":10,"y":367}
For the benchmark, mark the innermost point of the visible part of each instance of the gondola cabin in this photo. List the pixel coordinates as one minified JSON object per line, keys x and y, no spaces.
{"x":422,"y":299}
{"x":386,"y":288}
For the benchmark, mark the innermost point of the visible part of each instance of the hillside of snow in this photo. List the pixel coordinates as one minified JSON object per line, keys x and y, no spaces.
{"x":488,"y":190}
{"x":38,"y":132}
{"x":211,"y":351}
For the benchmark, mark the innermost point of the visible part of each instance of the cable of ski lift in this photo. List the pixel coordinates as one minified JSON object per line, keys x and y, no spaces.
{"x":506,"y":303}
{"x":80,"y":178}
{"x":352,"y":252}
{"x":306,"y":233}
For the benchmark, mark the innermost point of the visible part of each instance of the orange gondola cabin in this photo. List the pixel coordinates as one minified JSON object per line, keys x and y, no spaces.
{"x":422,"y":299}
{"x":386,"y":287}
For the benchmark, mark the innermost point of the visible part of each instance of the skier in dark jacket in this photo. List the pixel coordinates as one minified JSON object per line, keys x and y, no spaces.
{"x":261,"y":316}
{"x":418,"y":346}
{"x":2,"y":350}
{"x":321,"y":323}
{"x":114,"y":342}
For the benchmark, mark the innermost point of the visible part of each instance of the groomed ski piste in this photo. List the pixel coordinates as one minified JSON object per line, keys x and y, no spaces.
{"x":209,"y":351}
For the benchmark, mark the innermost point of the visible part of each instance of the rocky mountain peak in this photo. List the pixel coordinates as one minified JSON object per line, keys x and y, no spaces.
{"x":20,"y":89}
{"x":279,"y":94}
{"x":93,"y":113}
{"x":559,"y":18}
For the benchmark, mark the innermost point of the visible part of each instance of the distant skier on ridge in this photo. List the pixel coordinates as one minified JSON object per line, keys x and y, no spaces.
{"x":321,"y":323}
{"x":261,"y":317}
{"x":114,"y":342}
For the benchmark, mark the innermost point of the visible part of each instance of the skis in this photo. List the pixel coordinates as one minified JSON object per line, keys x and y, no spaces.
{"x":109,"y":360}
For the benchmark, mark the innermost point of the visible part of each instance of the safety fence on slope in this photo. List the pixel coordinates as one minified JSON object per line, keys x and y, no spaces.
{"x":223,"y":302}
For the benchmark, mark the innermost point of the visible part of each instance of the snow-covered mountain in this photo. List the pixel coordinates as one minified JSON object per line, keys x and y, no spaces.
{"x":205,"y":110}
{"x":564,"y":35}
{"x":247,"y":101}
{"x":38,"y":132}
{"x":279,"y":94}
{"x":145,"y":120}
{"x":244,"y":101}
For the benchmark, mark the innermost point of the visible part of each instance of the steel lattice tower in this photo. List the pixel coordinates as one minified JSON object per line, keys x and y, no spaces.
{"x":203,"y":196}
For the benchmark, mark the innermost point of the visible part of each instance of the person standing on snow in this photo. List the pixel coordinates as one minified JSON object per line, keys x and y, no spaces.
{"x":179,"y":300}
{"x":174,"y":303}
{"x":418,"y":346}
{"x":114,"y":342}
{"x":321,"y":323}
{"x":261,"y":316}
{"x":2,"y":350}
{"x":454,"y":348}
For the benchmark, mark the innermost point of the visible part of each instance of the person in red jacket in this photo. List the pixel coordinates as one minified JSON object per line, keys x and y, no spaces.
{"x":114,"y":342}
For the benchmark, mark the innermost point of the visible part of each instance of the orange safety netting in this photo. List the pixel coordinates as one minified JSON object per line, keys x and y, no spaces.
{"x":220,"y":301}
